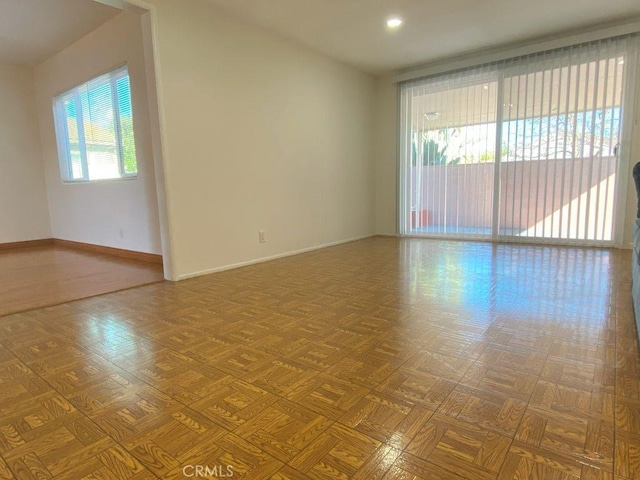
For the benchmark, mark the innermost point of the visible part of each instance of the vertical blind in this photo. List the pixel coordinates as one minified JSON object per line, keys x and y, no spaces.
{"x":525,"y":148}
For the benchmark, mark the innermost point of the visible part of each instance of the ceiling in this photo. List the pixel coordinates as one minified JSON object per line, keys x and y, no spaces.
{"x":352,"y":31}
{"x":355,"y":32}
{"x":33,"y":30}
{"x":528,"y":95}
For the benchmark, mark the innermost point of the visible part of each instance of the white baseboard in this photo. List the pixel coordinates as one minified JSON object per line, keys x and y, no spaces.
{"x":268,"y":259}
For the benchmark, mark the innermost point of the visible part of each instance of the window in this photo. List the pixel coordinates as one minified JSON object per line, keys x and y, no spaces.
{"x":524,"y":149}
{"x":94,"y":129}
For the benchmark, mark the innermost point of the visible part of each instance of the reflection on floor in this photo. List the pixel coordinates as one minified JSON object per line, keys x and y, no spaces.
{"x":43,"y":276}
{"x":379,"y":359}
{"x":454,"y":230}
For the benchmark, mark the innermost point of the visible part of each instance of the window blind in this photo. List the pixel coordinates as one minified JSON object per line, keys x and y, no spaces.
{"x":526,"y":148}
{"x":94,"y":129}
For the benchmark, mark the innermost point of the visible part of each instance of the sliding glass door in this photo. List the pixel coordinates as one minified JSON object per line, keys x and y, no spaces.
{"x":449,"y":146}
{"x":521,"y":149}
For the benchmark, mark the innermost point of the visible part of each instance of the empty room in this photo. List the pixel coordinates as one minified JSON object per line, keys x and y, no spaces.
{"x":78,"y":206}
{"x":294,"y":240}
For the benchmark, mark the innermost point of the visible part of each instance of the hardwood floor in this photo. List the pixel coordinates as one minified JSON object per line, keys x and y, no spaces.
{"x":379,"y":359}
{"x":37,"y":277}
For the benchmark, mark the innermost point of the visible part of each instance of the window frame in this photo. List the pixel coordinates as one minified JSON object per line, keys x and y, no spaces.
{"x":62,"y":129}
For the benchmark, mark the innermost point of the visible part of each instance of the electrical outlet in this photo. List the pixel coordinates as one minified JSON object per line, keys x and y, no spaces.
{"x":262,"y":236}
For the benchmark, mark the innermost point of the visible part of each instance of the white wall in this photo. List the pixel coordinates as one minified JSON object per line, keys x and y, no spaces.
{"x":120,"y":213}
{"x":23,"y":203}
{"x":259,"y":133}
{"x":386,"y":156}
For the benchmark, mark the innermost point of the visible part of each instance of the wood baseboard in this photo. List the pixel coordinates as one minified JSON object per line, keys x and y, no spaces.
{"x":26,"y":244}
{"x":114,"y":252}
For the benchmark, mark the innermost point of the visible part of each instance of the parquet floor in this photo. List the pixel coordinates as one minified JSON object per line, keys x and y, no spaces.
{"x":380,"y":359}
{"x":38,"y":277}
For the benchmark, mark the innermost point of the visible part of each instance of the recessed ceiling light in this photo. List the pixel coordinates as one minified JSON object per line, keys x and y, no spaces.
{"x":394,"y":22}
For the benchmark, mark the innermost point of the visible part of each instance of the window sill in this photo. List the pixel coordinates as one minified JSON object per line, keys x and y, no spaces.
{"x":104,"y":180}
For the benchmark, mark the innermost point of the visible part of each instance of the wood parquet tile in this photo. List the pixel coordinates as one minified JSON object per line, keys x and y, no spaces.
{"x":460,"y":447}
{"x":246,"y":460}
{"x":284,"y":429}
{"x":376,"y":360}
{"x":491,"y":410}
{"x":588,"y":440}
{"x":317,"y":356}
{"x":533,"y":463}
{"x":572,"y":373}
{"x":409,"y":467}
{"x":442,"y":365}
{"x":327,"y":395}
{"x":530,"y":362}
{"x":589,"y":401}
{"x":339,"y":452}
{"x":170,"y":443}
{"x":234,"y":403}
{"x":428,"y":391}
{"x":392,"y":350}
{"x":363,"y":370}
{"x":59,"y":447}
{"x":386,"y":419}
{"x":503,"y":379}
{"x":135,"y":413}
{"x":627,"y":454}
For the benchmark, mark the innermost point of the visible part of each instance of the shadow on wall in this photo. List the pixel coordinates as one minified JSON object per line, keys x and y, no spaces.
{"x":536,"y":195}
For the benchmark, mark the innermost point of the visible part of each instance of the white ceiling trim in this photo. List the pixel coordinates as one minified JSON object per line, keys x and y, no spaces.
{"x":120,"y":4}
{"x":524,"y":48}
